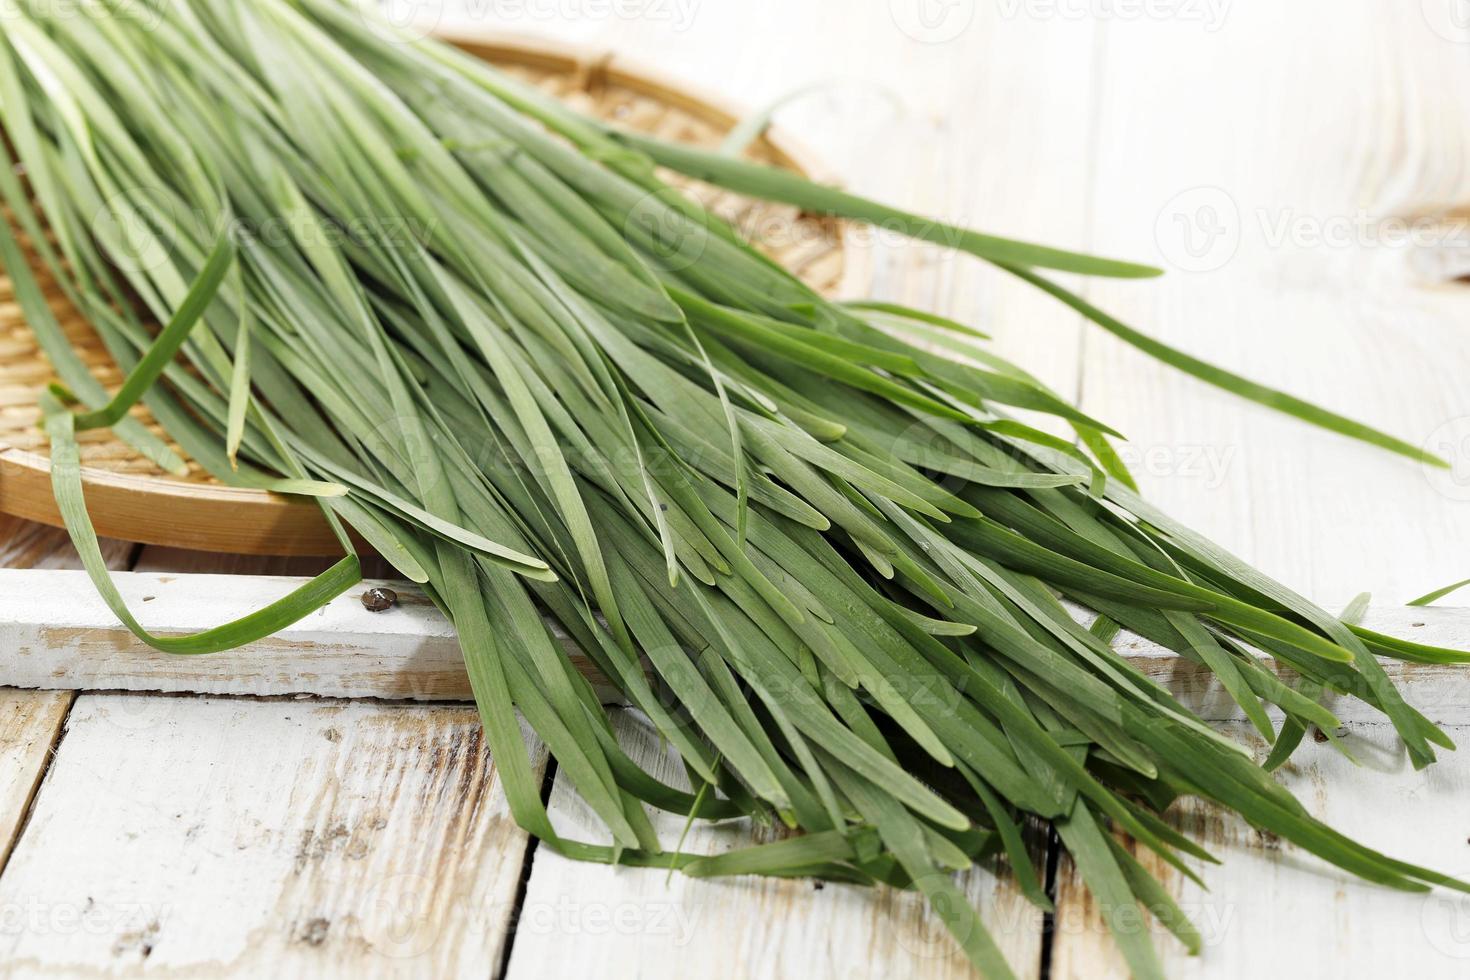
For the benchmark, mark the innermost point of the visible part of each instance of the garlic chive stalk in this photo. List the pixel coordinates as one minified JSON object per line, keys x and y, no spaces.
{"x":808,"y":540}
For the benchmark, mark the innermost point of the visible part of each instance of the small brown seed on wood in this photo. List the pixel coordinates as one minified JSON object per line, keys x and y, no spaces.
{"x":379,"y":599}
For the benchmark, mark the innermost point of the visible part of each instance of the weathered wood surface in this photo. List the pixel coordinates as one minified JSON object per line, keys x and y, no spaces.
{"x":1273,"y":911}
{"x":203,"y":838}
{"x":24,"y":544}
{"x":1310,"y":214}
{"x":58,"y":633}
{"x":30,"y":723}
{"x":590,"y":920}
{"x":1296,"y":171}
{"x":31,"y":720}
{"x":175,"y":561}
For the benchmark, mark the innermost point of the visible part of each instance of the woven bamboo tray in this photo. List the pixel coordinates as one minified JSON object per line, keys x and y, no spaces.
{"x":130,"y":498}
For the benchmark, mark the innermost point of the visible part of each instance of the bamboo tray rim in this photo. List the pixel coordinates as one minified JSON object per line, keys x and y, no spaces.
{"x":155,"y":510}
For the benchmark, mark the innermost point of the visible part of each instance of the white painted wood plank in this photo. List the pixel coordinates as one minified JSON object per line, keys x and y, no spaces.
{"x":30,"y":720}
{"x":59,"y":634}
{"x":592,"y":920}
{"x":1275,"y":911}
{"x":29,"y":724}
{"x":1275,"y":167}
{"x":202,"y":838}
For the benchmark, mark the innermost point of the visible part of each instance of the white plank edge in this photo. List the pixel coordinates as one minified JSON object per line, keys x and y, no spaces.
{"x":56,"y":633}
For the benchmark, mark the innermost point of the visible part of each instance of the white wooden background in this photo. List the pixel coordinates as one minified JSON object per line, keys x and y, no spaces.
{"x":1298,"y":167}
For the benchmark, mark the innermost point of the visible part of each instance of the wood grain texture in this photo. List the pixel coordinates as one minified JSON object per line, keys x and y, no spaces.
{"x":25,"y":544}
{"x":179,"y":561}
{"x":592,"y":920}
{"x":1274,"y":911}
{"x":30,"y":722}
{"x":194,"y":837}
{"x":73,"y":640}
{"x":163,"y":559}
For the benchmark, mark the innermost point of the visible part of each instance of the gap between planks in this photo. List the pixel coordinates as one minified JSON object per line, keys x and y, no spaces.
{"x":354,"y":909}
{"x":553,"y":915}
{"x":546,"y":920}
{"x":579,"y":918}
{"x":208,"y":837}
{"x":32,"y":722}
{"x":533,"y":919}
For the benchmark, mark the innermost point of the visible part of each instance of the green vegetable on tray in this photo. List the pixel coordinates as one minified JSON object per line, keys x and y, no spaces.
{"x":808,"y":540}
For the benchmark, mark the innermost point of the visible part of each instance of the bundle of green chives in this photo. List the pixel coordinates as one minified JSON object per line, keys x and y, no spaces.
{"x":805,"y":539}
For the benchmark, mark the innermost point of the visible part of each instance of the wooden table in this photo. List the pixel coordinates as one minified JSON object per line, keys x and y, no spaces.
{"x":1289,"y":163}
